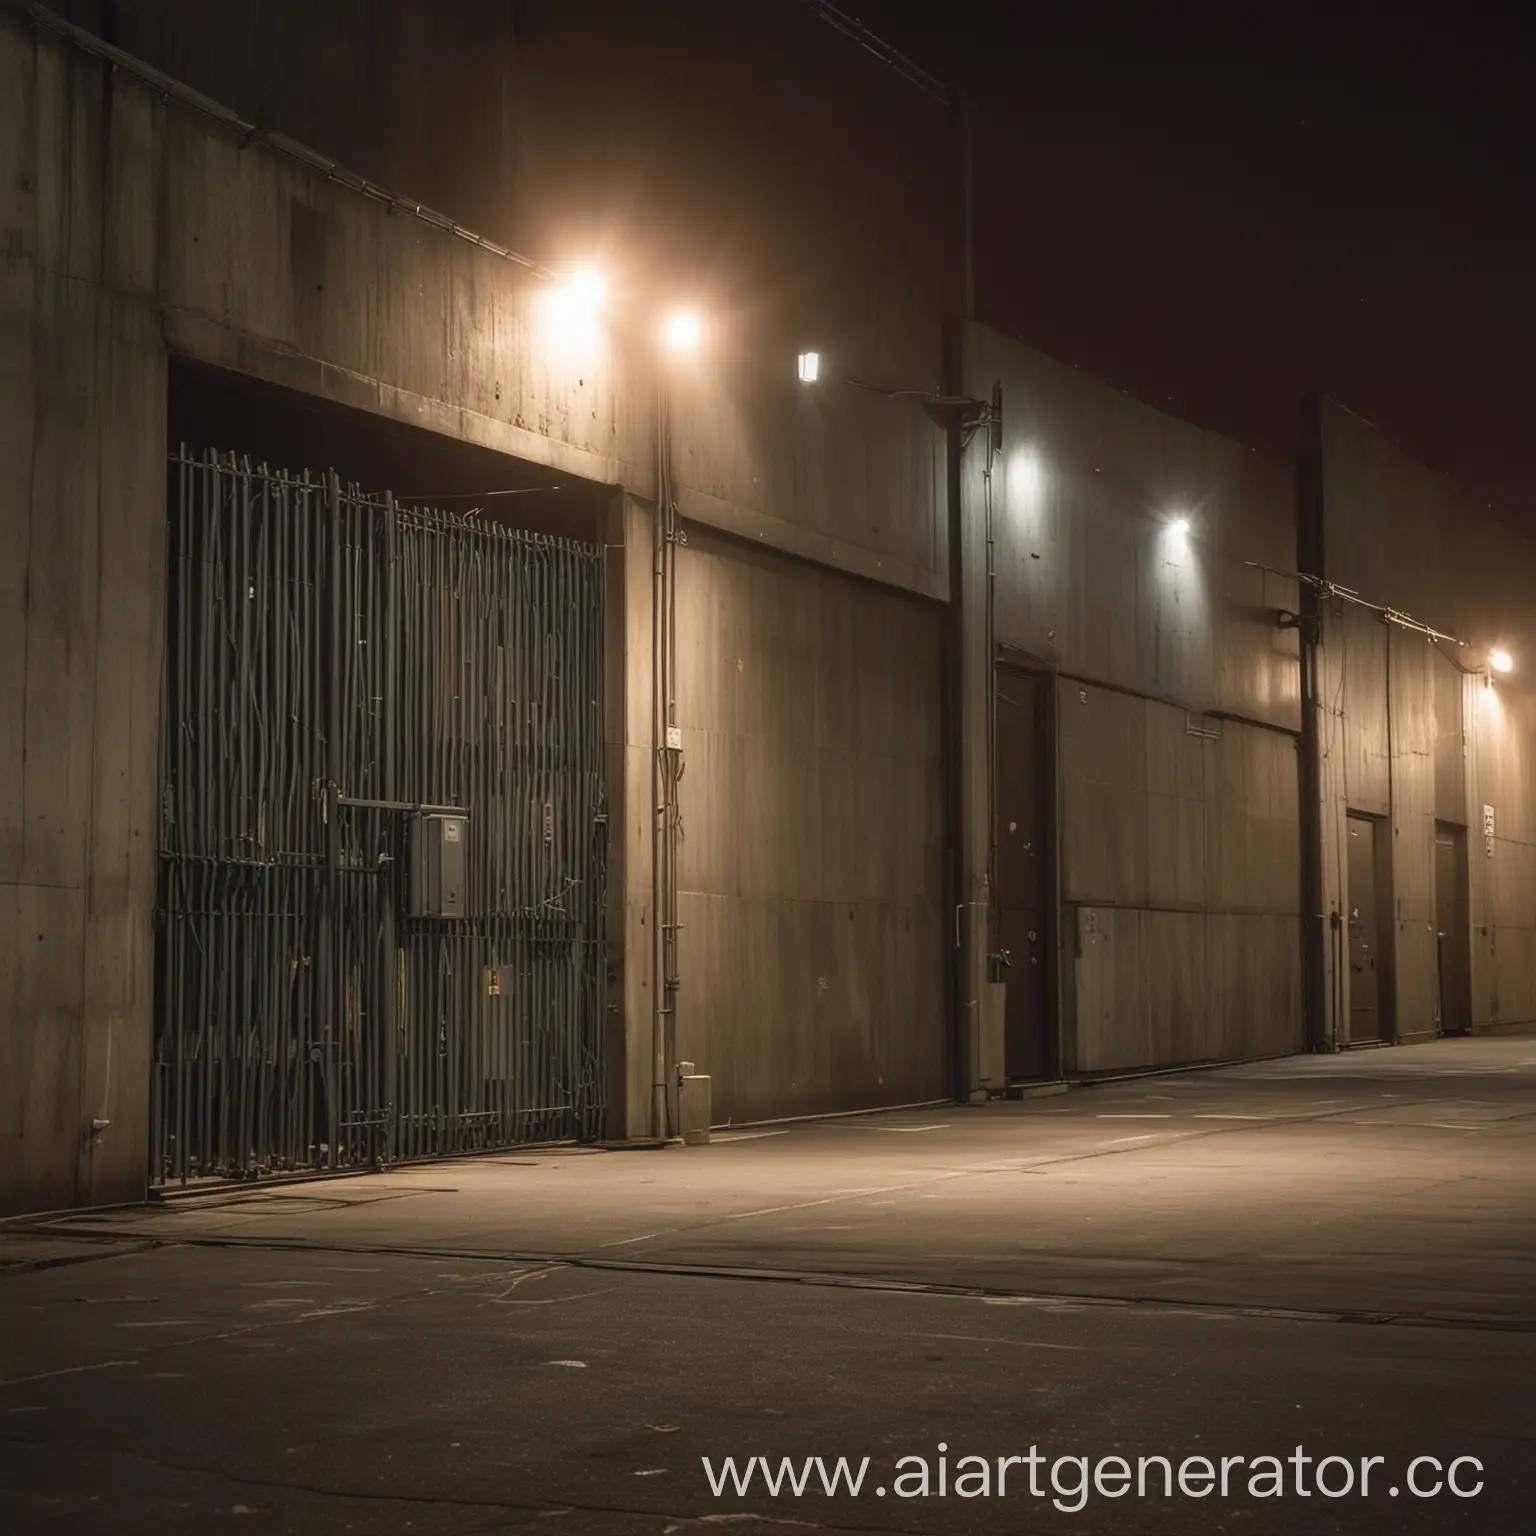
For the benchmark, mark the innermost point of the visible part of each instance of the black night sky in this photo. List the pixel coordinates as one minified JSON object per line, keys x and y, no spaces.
{"x":1218,"y":212}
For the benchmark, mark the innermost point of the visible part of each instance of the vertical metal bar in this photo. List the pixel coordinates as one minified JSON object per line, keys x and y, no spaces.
{"x":180,"y":720}
{"x":216,"y":788}
{"x":384,"y":661}
{"x":333,"y":993}
{"x":319,"y":642}
{"x":243,"y":832}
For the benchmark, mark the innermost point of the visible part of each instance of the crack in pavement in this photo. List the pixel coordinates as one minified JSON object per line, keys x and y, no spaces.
{"x":141,"y":1352}
{"x":544,"y":1263}
{"x":593,"y":1258}
{"x":113,"y":1246}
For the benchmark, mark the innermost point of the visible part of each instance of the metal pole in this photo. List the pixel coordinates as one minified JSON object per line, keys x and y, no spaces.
{"x":659,"y":991}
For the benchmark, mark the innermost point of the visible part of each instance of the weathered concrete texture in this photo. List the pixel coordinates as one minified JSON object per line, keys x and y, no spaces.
{"x":1156,"y":814}
{"x":82,"y":421}
{"x":130,"y":224}
{"x":629,"y":735}
{"x":1329,"y":1252}
{"x":1180,"y":871}
{"x":1176,"y":768}
{"x":1411,"y":732}
{"x":714,"y":192}
{"x":1090,"y":580}
{"x":812,"y":949}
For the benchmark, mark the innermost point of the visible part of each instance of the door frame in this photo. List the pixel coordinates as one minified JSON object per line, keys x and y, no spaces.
{"x":1456,"y":834}
{"x":1049,"y":681}
{"x":1386,"y":928}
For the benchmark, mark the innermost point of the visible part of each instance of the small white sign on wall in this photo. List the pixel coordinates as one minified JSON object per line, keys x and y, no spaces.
{"x":1488,"y":830}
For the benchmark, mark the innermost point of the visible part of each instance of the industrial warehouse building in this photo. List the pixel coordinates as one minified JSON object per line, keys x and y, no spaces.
{"x":429,"y":722}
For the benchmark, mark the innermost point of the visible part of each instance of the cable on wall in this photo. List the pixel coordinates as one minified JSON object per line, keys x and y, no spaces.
{"x":1387,"y":614}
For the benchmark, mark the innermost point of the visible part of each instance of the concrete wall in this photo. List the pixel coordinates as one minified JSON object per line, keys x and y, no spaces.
{"x":82,"y":413}
{"x":684,"y":144}
{"x":812,"y":951}
{"x":746,"y":155}
{"x":1409,"y":730}
{"x":1177,"y":708}
{"x":1091,"y":584}
{"x":1180,"y":865}
{"x":362,"y":80}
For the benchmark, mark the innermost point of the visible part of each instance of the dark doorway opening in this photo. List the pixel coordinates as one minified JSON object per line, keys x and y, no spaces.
{"x":1370,"y":988}
{"x":213,"y":408}
{"x":1453,"y":957}
{"x":1025,"y":840}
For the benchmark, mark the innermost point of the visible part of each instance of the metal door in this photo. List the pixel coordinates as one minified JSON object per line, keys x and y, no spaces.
{"x":335,"y":667}
{"x":1365,"y":1010}
{"x":1452,"y":930}
{"x":1023,"y":871}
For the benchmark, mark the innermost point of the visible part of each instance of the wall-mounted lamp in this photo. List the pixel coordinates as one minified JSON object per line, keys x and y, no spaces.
{"x":683,"y":331}
{"x":1176,"y":535}
{"x":808,"y":367}
{"x":571,"y":308}
{"x":587,"y":286}
{"x":1501,"y":661}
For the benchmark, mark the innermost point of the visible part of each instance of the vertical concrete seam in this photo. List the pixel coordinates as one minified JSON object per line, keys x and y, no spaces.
{"x":84,"y":1146}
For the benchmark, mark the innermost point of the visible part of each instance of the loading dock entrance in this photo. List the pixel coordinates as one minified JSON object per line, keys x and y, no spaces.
{"x":351,"y":687}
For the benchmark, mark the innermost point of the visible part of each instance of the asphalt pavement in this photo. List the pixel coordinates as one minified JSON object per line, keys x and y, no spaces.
{"x":1327,"y":1257}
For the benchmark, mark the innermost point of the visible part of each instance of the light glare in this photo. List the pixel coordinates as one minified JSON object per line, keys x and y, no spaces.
{"x":1502,"y":661}
{"x":809,"y":367}
{"x":1179,"y":527}
{"x":587,"y":287}
{"x":569,"y":313}
{"x":683,"y":332}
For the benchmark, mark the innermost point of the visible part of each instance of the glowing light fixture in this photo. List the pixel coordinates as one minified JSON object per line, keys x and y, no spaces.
{"x":808,"y":367}
{"x":570,"y":310}
{"x":1501,"y":661}
{"x":683,"y":332}
{"x":1179,"y":527}
{"x":587,"y":287}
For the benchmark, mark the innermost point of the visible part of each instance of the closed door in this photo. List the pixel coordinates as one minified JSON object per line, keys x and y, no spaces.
{"x":1365,"y":1011}
{"x":1452,"y":931}
{"x":1024,"y":862}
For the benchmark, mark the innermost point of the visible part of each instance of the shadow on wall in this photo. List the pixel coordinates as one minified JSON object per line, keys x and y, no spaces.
{"x":214,"y":408}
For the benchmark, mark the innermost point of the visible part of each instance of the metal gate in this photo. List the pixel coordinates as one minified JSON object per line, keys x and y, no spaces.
{"x":337,"y":669}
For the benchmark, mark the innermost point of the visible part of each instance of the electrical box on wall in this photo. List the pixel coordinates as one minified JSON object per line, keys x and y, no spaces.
{"x":437,"y":864}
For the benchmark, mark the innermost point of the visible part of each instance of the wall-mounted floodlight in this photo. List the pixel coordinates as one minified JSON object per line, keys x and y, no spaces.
{"x":587,"y":287}
{"x":808,"y":367}
{"x":1501,"y":661}
{"x":1176,"y":540}
{"x":683,"y":332}
{"x":570,"y":309}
